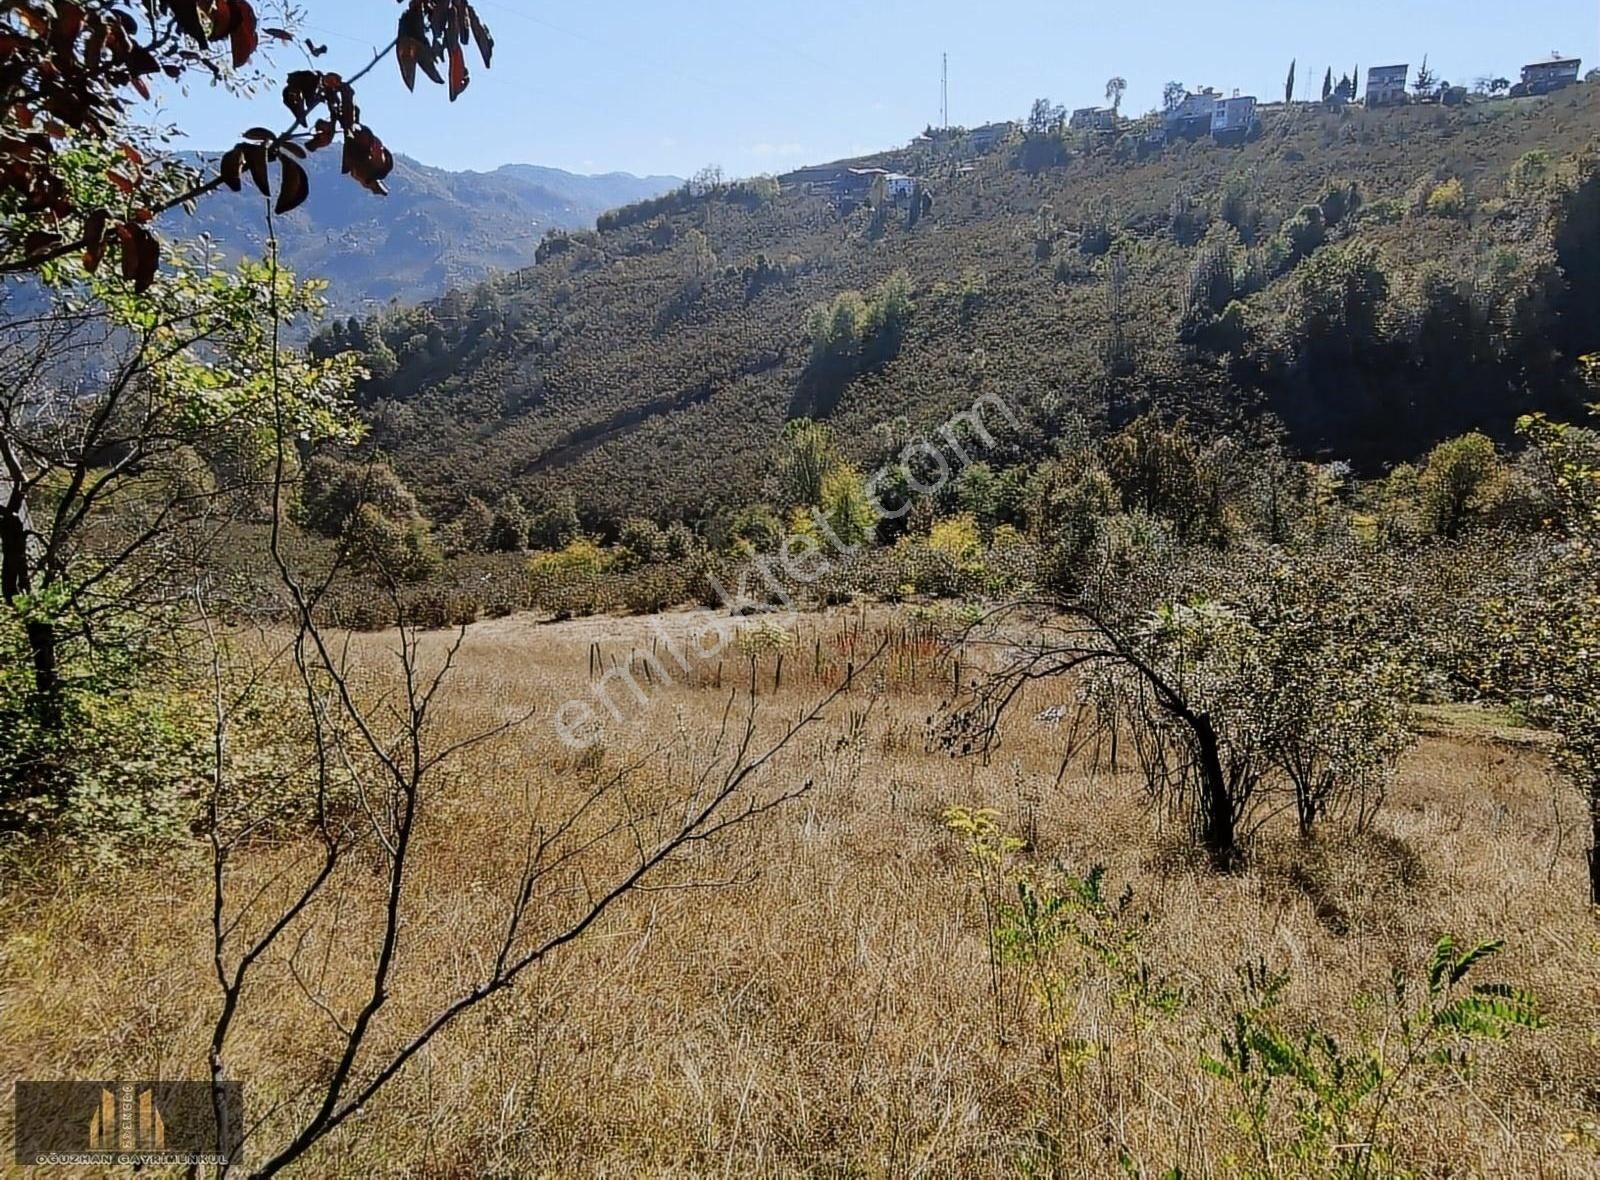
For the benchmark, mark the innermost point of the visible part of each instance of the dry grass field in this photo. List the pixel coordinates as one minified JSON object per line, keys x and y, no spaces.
{"x":811,"y":992}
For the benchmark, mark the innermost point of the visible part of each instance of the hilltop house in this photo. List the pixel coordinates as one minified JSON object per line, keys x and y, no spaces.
{"x":858,"y":182}
{"x":1386,"y":85}
{"x":985,"y":137}
{"x":1194,"y":115}
{"x":897,"y":186}
{"x":1093,"y":119}
{"x":1545,"y":76}
{"x":820,"y":181}
{"x":1233,"y":117}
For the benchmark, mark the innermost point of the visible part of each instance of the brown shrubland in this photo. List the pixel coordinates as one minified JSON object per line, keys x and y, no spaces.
{"x":809,"y":993}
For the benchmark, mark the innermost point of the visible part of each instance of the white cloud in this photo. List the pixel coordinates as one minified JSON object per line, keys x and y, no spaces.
{"x":777,"y":150}
{"x":667,"y":141}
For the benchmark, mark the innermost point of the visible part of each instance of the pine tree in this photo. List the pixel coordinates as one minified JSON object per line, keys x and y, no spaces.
{"x":1327,"y":85}
{"x":1288,"y":87}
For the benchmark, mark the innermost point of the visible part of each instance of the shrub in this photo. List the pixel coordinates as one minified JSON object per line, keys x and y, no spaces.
{"x":1448,"y":200}
{"x":857,"y":332}
{"x":582,"y":557}
{"x":393,"y":549}
{"x":847,"y":507}
{"x":509,"y":532}
{"x":571,"y":580}
{"x":806,"y":453}
{"x":1340,"y":201}
{"x":1461,"y":480}
{"x":476,"y":522}
{"x":1530,"y":177}
{"x":119,"y":770}
{"x":334,"y":490}
{"x":643,"y":542}
{"x":958,"y":538}
{"x":555,"y":526}
{"x":1305,"y":233}
{"x":755,"y":528}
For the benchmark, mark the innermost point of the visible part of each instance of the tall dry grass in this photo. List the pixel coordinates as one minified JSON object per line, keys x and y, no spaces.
{"x":810,"y":995}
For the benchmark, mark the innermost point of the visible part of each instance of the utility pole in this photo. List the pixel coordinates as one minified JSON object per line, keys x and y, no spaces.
{"x":944,"y":90}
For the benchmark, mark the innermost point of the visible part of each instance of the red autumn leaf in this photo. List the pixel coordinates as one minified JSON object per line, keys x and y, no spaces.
{"x":458,"y":72}
{"x":140,"y":254}
{"x":68,"y":25}
{"x":94,"y":229}
{"x":243,"y":38}
{"x":302,"y":90}
{"x":405,"y":56}
{"x":366,"y":160}
{"x":293,"y":187}
{"x":410,"y":45}
{"x":187,"y":14}
{"x":232,"y":168}
{"x":480,"y":34}
{"x":255,"y":162}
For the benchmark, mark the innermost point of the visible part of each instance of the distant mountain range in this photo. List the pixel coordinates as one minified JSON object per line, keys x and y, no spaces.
{"x":435,"y":230}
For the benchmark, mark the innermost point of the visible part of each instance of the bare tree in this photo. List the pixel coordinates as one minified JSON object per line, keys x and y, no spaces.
{"x":370,"y":766}
{"x":367,"y":777}
{"x":1184,"y":759}
{"x":1285,"y":690}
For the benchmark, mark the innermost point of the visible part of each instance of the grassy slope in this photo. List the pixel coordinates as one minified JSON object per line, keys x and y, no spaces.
{"x":591,"y":371}
{"x":811,"y":995}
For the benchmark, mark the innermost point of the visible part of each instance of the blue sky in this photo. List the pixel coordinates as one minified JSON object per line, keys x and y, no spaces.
{"x":659,"y":87}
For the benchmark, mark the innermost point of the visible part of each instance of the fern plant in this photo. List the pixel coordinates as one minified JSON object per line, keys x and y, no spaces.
{"x":1345,"y":1099}
{"x":989,"y":851}
{"x":1056,"y":936}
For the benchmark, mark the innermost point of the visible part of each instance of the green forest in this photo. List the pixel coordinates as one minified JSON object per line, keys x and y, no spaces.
{"x":1372,"y":282}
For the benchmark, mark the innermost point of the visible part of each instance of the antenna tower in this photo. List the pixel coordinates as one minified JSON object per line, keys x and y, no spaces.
{"x":944,"y":91}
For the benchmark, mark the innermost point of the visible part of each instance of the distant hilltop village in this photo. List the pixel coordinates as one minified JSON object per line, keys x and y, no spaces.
{"x":1184,"y":115}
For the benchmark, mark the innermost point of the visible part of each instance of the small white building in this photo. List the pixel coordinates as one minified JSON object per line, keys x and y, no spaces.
{"x":897,"y":186}
{"x":1233,"y":116}
{"x":1196,"y":107}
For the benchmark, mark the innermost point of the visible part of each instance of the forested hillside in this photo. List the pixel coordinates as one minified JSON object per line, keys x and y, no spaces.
{"x":435,"y":230}
{"x":1376,"y":280}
